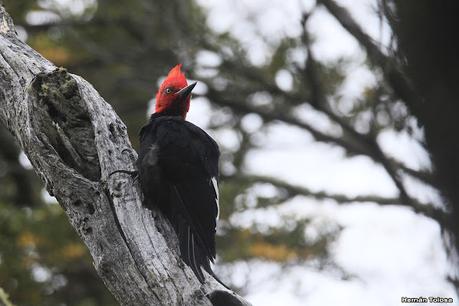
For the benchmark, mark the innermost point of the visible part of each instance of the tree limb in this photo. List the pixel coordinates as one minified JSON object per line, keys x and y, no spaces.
{"x":393,"y":74}
{"x":74,"y":141}
{"x":426,"y":209}
{"x":320,"y":102}
{"x":4,"y":301}
{"x":353,"y":142}
{"x":350,"y":147}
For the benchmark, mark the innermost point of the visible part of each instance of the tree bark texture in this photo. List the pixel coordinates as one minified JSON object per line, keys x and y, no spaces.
{"x":427,"y":35}
{"x":75,"y":140}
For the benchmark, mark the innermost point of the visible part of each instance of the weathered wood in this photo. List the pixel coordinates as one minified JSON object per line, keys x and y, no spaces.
{"x":75,"y":140}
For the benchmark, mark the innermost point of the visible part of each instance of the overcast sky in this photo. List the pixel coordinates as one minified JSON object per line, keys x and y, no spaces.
{"x":390,"y":251}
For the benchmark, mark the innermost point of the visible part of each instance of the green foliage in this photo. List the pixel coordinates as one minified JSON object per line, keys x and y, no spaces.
{"x":43,"y":262}
{"x":273,"y":243}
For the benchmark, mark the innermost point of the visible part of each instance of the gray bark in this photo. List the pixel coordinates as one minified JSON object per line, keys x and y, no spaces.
{"x":74,"y":140}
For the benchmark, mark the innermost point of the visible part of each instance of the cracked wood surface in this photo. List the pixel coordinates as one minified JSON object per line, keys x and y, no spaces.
{"x":75,"y":140}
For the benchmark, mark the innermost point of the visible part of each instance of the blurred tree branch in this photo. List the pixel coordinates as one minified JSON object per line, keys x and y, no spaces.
{"x":423,"y":74}
{"x":352,"y":141}
{"x":25,"y":194}
{"x":426,"y":209}
{"x":425,"y":32}
{"x":319,"y":100}
{"x":359,"y":144}
{"x":4,"y":301}
{"x":392,"y":72}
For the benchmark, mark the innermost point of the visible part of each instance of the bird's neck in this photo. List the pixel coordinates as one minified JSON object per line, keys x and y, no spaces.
{"x":175,"y":108}
{"x":168,"y":112}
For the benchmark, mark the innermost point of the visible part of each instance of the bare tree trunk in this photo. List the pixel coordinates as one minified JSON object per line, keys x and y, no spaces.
{"x":74,"y":141}
{"x":427,"y":35}
{"x":423,"y":74}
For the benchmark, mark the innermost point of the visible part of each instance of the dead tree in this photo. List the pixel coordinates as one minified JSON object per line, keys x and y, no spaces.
{"x":75,"y":140}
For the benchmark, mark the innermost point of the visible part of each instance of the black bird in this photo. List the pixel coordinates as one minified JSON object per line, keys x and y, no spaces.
{"x":178,"y":171}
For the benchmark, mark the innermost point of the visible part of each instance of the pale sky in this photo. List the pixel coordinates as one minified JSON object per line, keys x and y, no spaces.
{"x":390,"y":251}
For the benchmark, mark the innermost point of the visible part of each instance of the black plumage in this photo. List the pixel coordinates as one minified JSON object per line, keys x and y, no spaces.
{"x":178,"y":171}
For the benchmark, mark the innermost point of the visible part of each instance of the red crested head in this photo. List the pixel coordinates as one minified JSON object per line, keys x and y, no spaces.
{"x":173,"y":96}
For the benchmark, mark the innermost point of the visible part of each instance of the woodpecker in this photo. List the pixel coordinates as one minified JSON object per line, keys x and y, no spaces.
{"x":178,"y":172}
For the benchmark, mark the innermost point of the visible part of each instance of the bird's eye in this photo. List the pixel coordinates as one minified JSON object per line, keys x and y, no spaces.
{"x":168,"y":90}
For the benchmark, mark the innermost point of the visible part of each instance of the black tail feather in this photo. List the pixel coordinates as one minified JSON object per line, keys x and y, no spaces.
{"x":189,"y":251}
{"x":192,"y":249}
{"x":192,"y":254}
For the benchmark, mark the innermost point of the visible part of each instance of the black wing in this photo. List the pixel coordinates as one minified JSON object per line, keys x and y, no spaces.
{"x":178,"y":166}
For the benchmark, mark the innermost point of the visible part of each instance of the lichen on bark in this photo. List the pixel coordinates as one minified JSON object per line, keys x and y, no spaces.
{"x":62,"y":116}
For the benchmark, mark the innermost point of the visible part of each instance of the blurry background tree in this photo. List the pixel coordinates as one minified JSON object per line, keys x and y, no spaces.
{"x":124,"y":47}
